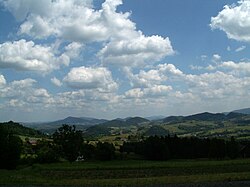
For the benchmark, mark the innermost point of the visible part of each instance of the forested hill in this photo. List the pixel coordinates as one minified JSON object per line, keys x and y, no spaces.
{"x":19,"y":129}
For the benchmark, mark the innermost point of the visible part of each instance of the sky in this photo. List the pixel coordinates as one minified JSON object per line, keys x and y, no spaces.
{"x":114,"y":58}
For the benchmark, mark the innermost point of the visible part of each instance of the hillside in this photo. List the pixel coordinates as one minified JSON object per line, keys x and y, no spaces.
{"x":81,"y":123}
{"x":200,"y":125}
{"x":203,"y":124}
{"x":78,"y":121}
{"x":243,"y":111}
{"x":156,"y":130}
{"x":19,"y":129}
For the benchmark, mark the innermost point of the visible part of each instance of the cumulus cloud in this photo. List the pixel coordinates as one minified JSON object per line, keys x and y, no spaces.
{"x":56,"y":82}
{"x":234,"y":20}
{"x":24,"y":94}
{"x":25,"y":55}
{"x":73,"y":49}
{"x":169,"y":69}
{"x":71,"y":20}
{"x":241,"y":68}
{"x":91,"y":78}
{"x":2,"y":81}
{"x":78,"y":21}
{"x":136,"y":51}
{"x":157,"y":90}
{"x":155,"y":76}
{"x":134,"y":93}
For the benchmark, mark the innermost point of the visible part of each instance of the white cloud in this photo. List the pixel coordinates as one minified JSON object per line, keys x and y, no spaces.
{"x":155,"y":76}
{"x":24,"y":55}
{"x":241,"y":68}
{"x":144,"y":78}
{"x":158,"y":90}
{"x":78,"y":21}
{"x":216,"y":58}
{"x":41,"y":92}
{"x":240,"y":48}
{"x":134,"y":93}
{"x":71,"y":20}
{"x":145,"y":93}
{"x":2,"y":81}
{"x":25,"y":83}
{"x":56,"y":82}
{"x":234,"y":20}
{"x":91,"y":78}
{"x":136,"y":51}
{"x":217,"y":85}
{"x":24,"y":94}
{"x":73,"y":49}
{"x":169,"y":69}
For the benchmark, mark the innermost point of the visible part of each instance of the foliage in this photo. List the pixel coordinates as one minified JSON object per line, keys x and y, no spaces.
{"x":88,"y":151}
{"x":105,"y":151}
{"x":18,"y":129}
{"x":69,"y":140}
{"x":163,"y":148}
{"x":10,"y":149}
{"x":156,"y":130}
{"x":46,"y":152}
{"x":155,"y":148}
{"x":97,"y":130}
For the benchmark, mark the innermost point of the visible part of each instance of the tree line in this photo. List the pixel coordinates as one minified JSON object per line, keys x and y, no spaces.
{"x":167,"y":147}
{"x":67,"y":143}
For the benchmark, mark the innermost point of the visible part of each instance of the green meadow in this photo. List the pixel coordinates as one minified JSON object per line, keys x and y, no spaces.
{"x":128,"y":172}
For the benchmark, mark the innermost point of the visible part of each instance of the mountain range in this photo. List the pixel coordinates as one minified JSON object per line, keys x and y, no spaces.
{"x":196,"y":124}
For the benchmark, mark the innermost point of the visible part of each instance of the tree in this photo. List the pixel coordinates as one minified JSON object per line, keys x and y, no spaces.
{"x":155,"y":148}
{"x":88,"y":151}
{"x":217,"y":148}
{"x":69,"y":140}
{"x":232,"y":148}
{"x":105,"y":151}
{"x":46,"y":152}
{"x":10,"y":149}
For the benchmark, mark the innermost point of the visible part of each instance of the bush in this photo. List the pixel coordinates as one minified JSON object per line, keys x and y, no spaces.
{"x":47,"y":155}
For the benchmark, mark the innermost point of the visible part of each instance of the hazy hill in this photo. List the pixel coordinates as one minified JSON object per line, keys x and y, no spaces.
{"x":77,"y":121}
{"x":81,"y":123}
{"x":124,"y":122}
{"x":173,"y":119}
{"x":233,"y":115}
{"x":153,"y":118}
{"x":243,"y":111}
{"x":206,"y":116}
{"x":136,"y":120}
{"x":114,"y":123}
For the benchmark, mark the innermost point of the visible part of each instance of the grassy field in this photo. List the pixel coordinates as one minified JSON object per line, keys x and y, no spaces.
{"x":131,"y":172}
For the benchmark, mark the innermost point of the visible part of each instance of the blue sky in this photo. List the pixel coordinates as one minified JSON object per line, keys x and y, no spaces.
{"x":114,"y":58}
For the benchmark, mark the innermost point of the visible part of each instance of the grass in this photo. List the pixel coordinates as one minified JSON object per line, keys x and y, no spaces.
{"x":131,"y":172}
